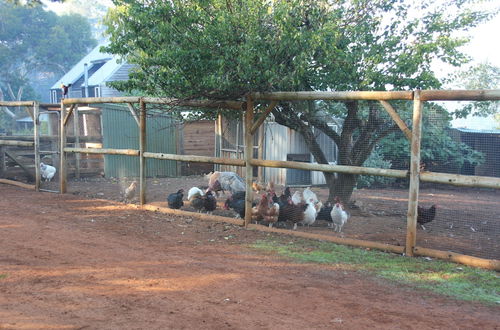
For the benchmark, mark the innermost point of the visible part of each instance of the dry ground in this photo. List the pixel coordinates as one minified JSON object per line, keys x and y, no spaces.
{"x":467,"y":220}
{"x":69,"y":262}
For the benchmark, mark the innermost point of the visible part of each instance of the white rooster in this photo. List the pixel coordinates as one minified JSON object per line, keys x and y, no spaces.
{"x":194,"y":191}
{"x":130,"y":191}
{"x":309,"y":214}
{"x":339,"y":216}
{"x":47,"y":171}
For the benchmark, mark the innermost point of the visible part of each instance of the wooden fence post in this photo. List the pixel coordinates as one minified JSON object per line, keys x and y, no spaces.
{"x":62,"y":154}
{"x":248,"y":159}
{"x":36,"y":133}
{"x":142,"y":149}
{"x":76,"y":129}
{"x":411,"y":227}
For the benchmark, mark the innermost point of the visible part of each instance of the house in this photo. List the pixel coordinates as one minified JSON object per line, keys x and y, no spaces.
{"x":89,"y":77}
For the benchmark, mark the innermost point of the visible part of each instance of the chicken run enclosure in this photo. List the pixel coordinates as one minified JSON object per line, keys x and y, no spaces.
{"x":415,"y":161}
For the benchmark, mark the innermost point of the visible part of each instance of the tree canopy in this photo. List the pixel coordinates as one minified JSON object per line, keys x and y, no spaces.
{"x":224,"y":49}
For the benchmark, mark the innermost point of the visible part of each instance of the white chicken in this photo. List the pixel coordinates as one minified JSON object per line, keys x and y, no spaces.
{"x":309,"y":214}
{"x":194,"y":191}
{"x":308,"y":195}
{"x":297,"y":198}
{"x":47,"y":172}
{"x":339,"y":217}
{"x":130,"y":191}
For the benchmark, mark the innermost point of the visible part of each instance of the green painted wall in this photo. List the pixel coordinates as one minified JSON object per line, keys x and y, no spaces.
{"x":120,"y":131}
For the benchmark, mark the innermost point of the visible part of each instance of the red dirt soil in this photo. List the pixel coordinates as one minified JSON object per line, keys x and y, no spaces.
{"x":68,"y":262}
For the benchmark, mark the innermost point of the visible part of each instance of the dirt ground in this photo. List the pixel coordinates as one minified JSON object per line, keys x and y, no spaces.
{"x":467,"y":220}
{"x":70,"y":262}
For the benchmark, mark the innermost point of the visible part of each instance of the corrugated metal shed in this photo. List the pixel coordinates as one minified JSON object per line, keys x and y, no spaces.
{"x":120,"y":131}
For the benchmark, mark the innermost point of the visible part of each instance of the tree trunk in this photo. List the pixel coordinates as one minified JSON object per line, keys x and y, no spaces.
{"x":343,"y":187}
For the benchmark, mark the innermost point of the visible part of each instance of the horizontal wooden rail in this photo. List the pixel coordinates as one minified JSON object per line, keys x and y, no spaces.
{"x":333,"y":239}
{"x":16,"y":103}
{"x":16,"y":143}
{"x":330,"y":168}
{"x":461,"y":180}
{"x":126,"y":152}
{"x":340,"y":96}
{"x":196,"y":159}
{"x":459,"y":258}
{"x":94,"y":100}
{"x":461,"y":95}
{"x":235,"y":105}
{"x":19,"y":184}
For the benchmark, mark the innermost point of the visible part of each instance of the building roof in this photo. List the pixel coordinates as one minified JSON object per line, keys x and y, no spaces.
{"x":479,"y":131}
{"x":98,"y":76}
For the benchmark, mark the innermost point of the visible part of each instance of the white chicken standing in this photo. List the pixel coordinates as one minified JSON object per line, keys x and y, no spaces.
{"x":309,"y":214}
{"x":130,"y":191}
{"x":308,"y":195}
{"x":194,"y":191}
{"x":47,"y":172}
{"x":339,"y":216}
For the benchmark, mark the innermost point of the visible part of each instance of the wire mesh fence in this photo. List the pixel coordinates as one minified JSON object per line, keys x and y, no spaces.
{"x":349,"y":202}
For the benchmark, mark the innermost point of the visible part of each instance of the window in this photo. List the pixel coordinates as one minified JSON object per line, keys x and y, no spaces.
{"x":97,"y":91}
{"x":53,"y":96}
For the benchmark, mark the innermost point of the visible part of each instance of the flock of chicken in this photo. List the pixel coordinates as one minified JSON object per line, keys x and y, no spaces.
{"x":303,"y":207}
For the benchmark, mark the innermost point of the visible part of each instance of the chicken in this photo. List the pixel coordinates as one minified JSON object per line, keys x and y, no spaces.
{"x":225,"y":181}
{"x":47,"y":172}
{"x":339,"y":216}
{"x":270,"y":187}
{"x":174,"y":200}
{"x":309,"y":214}
{"x":237,"y":202}
{"x":272,"y":213}
{"x":130,"y":191}
{"x":325,"y":213}
{"x":260,"y":211}
{"x":425,"y":215}
{"x":64,"y":90}
{"x":197,"y":202}
{"x":257,"y":187}
{"x":308,"y":194}
{"x":293,"y":213}
{"x":297,"y":198}
{"x":285,"y":197}
{"x":209,"y":202}
{"x":193,"y":192}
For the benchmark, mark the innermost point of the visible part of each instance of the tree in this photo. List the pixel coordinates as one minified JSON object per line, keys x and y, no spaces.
{"x":33,"y":40}
{"x":222,"y":49}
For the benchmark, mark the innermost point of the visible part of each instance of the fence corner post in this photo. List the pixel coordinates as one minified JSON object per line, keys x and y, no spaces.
{"x":142,"y":149}
{"x":248,"y":158}
{"x":411,"y":227}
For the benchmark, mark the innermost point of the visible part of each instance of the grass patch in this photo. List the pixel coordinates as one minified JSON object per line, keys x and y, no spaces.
{"x":446,"y":278}
{"x":2,"y":276}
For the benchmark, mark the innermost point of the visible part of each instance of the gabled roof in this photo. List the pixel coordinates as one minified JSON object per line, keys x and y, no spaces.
{"x":105,"y":72}
{"x":478,"y":131}
{"x":77,"y":71}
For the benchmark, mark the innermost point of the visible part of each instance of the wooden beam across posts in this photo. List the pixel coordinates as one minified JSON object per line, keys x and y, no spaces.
{"x":126,"y":152}
{"x":461,"y":95}
{"x":16,"y":103}
{"x":338,"y":96}
{"x":263,"y":116}
{"x":331,"y":238}
{"x":411,"y":226}
{"x":331,"y":168}
{"x":235,"y":105}
{"x":196,"y":159}
{"x":461,"y":180}
{"x":459,"y":258}
{"x":16,"y":143}
{"x":95,"y":100}
{"x":394,"y":115}
{"x":62,"y":154}
{"x":68,"y":114}
{"x":142,"y":149}
{"x":133,"y":112}
{"x":36,"y":136}
{"x":248,"y":159}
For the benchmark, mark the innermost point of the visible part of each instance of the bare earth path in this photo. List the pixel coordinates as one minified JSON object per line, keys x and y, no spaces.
{"x":72,"y":263}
